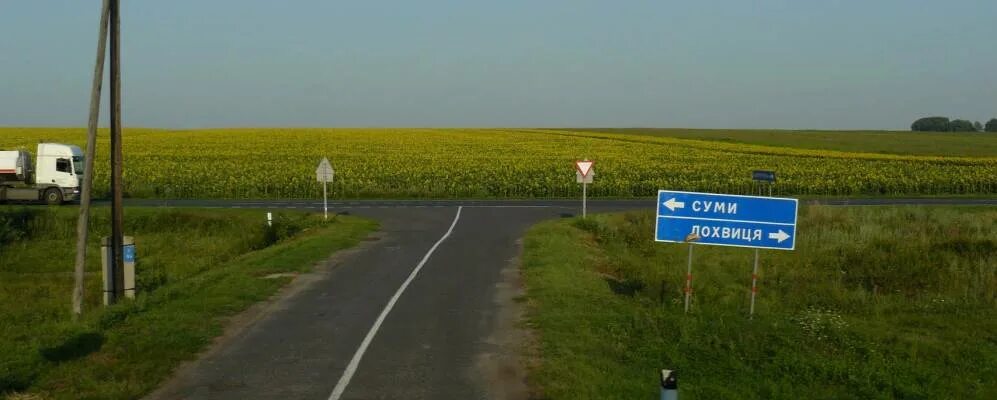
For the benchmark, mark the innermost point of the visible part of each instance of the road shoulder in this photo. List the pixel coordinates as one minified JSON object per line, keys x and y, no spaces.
{"x":504,"y":367}
{"x":239,"y":324}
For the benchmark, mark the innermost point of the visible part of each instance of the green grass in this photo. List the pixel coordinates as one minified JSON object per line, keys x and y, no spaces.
{"x":881,"y":142}
{"x":876,"y":302}
{"x":195,"y":267}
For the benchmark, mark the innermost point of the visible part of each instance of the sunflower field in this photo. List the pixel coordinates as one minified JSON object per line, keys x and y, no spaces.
{"x":270,"y":163}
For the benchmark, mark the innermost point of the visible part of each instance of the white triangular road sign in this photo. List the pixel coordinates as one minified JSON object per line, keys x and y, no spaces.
{"x":584,"y":167}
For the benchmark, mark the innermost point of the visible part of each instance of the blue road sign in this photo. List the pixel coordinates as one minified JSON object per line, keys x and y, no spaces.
{"x":128,"y":254}
{"x":726,"y":220}
{"x":766,"y":176}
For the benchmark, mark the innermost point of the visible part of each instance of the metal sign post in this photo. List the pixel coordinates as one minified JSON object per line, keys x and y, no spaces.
{"x":584,"y":175}
{"x":325,"y":174}
{"x":769,"y":178}
{"x":688,"y":280}
{"x":688,"y":271}
{"x":754,"y":284}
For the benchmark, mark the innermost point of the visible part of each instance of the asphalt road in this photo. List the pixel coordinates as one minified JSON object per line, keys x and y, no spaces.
{"x":424,"y":310}
{"x":449,"y":334}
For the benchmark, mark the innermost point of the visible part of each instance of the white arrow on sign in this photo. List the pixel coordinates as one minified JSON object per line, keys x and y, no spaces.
{"x":584,"y":167}
{"x":780,"y":236}
{"x":672,"y":204}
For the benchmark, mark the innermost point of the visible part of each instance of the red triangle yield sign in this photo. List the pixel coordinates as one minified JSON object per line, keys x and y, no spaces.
{"x":583,"y":167}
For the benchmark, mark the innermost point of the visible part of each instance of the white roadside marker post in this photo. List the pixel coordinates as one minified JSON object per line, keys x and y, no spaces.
{"x":669,"y":385}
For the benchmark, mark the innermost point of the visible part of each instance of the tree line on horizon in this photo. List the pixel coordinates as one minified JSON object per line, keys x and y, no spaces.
{"x":943,"y":124}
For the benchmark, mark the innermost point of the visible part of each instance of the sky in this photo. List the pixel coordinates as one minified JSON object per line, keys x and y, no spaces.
{"x":793,"y":64}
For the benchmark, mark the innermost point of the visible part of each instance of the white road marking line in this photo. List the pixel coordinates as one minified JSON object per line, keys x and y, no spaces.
{"x":351,"y":368}
{"x":331,"y":205}
{"x":473,"y":206}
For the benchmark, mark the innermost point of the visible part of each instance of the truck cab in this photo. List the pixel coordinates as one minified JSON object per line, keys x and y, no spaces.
{"x":56,"y":177}
{"x":60,"y":165}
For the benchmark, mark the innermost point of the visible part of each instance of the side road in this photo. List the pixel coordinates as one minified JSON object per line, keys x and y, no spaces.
{"x":415,"y":314}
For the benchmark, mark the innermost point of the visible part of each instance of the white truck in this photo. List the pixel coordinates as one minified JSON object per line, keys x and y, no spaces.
{"x":56,"y":179}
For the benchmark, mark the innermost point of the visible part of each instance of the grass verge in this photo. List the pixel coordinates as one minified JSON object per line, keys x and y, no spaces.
{"x":877,"y":302}
{"x":195,"y":267}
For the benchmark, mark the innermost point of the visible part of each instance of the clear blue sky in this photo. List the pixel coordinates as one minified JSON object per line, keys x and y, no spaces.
{"x":841,"y":64}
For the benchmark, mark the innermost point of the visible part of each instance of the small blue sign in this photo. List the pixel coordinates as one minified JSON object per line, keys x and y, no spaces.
{"x":129,"y":253}
{"x":726,"y":220}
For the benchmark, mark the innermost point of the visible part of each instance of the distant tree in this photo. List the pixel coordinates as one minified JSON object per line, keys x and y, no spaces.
{"x":991,"y":125}
{"x":977,"y":126}
{"x":961,"y":125}
{"x":931,"y":124}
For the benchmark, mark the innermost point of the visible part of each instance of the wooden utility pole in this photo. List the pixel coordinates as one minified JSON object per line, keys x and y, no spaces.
{"x":117,"y":214}
{"x":83,"y":224}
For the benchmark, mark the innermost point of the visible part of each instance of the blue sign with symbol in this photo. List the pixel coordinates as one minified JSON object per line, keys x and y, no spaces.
{"x":128,"y":254}
{"x":726,"y":220}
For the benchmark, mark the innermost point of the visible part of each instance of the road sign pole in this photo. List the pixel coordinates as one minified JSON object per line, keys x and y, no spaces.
{"x":325,"y":200}
{"x":583,"y":175}
{"x":754,"y":285}
{"x":584,"y":197}
{"x":688,"y":279}
{"x":754,"y":275}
